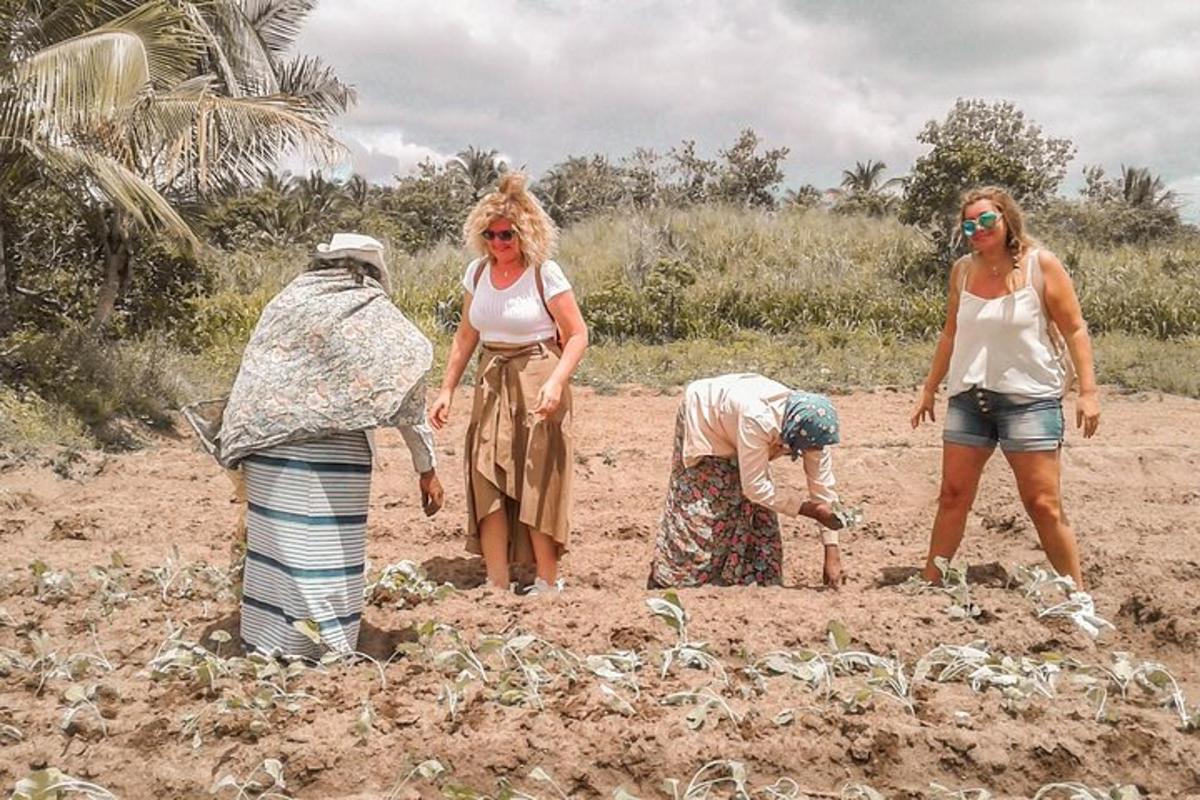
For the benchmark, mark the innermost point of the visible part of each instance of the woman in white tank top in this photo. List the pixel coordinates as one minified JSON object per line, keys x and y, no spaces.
{"x":519,"y":452}
{"x":1014,"y":334}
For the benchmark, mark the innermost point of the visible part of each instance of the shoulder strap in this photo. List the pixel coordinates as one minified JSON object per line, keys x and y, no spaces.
{"x":541,"y":288}
{"x":479,"y":265}
{"x":966,"y":270}
{"x":1034,"y":278}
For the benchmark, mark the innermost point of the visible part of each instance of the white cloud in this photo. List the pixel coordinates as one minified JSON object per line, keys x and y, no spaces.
{"x":835,"y":82}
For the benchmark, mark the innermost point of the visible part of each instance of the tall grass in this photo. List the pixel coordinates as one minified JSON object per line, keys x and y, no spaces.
{"x":710,"y":271}
{"x":818,"y":300}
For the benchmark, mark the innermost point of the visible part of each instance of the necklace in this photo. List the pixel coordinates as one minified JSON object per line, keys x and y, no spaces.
{"x":996,"y":270}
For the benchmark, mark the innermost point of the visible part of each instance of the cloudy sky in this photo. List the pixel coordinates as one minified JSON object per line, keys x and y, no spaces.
{"x":835,"y":81}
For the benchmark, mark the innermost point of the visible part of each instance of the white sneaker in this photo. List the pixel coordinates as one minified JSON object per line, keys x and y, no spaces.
{"x":541,"y":587}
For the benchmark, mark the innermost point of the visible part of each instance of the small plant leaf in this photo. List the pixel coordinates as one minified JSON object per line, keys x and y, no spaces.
{"x":309,"y":628}
{"x":839,"y":637}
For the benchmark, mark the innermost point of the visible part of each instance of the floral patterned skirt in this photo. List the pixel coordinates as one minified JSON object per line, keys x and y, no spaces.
{"x":710,"y":533}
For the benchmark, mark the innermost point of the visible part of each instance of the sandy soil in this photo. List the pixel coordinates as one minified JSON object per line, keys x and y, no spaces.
{"x":1132,"y":493}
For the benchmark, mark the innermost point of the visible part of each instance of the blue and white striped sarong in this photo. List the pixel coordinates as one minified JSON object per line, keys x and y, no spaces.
{"x":306,"y":527}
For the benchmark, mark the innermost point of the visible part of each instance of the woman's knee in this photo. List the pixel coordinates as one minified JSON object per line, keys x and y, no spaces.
{"x":955,"y":496}
{"x":1044,"y":507}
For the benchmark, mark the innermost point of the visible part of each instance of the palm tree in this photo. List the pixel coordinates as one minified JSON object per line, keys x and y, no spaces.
{"x":129,"y":105}
{"x":480,"y":168}
{"x":805,"y":196}
{"x":314,"y":199}
{"x":1141,"y":189}
{"x":864,"y":178}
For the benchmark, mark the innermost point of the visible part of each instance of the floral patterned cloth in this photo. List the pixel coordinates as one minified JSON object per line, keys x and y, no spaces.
{"x":710,"y":533}
{"x":810,"y":422}
{"x":331,"y":353}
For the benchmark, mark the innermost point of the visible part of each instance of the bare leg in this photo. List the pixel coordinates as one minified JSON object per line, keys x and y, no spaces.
{"x":1039,"y":482}
{"x":961,"y":468}
{"x":493,"y":541}
{"x":545,"y":553}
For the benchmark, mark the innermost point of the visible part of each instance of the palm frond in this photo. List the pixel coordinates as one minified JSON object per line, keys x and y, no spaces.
{"x":219,"y":139}
{"x":312,"y":81}
{"x":118,"y":184}
{"x":278,"y":22}
{"x":100,"y":73}
{"x":232,"y":40}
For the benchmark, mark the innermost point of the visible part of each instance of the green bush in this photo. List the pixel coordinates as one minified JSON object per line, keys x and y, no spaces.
{"x":99,"y":382}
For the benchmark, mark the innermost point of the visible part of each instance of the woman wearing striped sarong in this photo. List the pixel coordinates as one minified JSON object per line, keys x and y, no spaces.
{"x":331,"y":359}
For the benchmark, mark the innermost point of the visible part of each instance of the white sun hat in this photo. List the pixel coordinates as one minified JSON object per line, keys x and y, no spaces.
{"x":360,"y":247}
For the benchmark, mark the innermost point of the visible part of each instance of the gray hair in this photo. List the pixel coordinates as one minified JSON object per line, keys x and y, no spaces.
{"x":357,"y":267}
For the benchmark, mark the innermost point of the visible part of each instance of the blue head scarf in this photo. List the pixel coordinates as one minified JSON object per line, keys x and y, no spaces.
{"x":809,"y":422}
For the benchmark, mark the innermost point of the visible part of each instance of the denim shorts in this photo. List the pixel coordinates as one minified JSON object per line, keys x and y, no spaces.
{"x":981,"y":418}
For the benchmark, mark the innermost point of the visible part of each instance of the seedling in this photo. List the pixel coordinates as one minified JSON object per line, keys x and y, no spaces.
{"x":365,"y":723}
{"x":177,"y":658}
{"x":685,"y":651}
{"x":1155,"y":680}
{"x":51,"y":784}
{"x":81,"y":699}
{"x":1018,"y":680}
{"x":524,"y":675}
{"x":112,"y":583}
{"x":708,"y":777}
{"x":885,"y":675}
{"x":406,"y":583}
{"x":953,"y":584}
{"x":50,"y":585}
{"x":704,"y":701}
{"x":1078,"y":791}
{"x":428,"y":770}
{"x":1078,"y":607}
{"x":10,"y":733}
{"x":253,"y":786}
{"x":939,"y":792}
{"x":178,"y":579}
{"x":849,"y":517}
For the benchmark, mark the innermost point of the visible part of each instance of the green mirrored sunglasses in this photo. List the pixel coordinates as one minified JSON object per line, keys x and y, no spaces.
{"x":986,"y":221}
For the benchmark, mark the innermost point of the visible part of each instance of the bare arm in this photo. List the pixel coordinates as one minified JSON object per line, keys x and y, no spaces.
{"x":566,"y":314}
{"x":466,"y":338}
{"x":565,"y":311}
{"x":945,"y":347}
{"x":1062,"y":304}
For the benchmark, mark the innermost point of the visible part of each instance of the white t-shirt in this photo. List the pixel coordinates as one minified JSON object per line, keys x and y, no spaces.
{"x":514,"y":315}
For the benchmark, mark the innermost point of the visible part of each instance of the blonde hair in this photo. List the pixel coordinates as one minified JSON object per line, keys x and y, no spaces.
{"x":512,"y":201}
{"x":1015,"y":237}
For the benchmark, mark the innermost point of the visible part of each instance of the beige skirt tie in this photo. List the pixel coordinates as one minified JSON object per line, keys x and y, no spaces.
{"x":515,"y":461}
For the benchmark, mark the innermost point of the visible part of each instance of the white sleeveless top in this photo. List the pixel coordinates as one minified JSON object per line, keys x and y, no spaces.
{"x":514,"y":315}
{"x":1003,"y":344}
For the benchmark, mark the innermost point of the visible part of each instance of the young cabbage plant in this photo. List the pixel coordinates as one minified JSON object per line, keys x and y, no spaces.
{"x":52,"y":784}
{"x":691,"y":654}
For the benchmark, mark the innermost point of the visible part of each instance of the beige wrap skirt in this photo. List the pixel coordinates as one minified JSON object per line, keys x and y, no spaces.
{"x":515,"y":461}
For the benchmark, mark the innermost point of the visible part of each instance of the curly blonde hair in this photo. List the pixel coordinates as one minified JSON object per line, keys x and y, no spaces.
{"x":512,"y":201}
{"x":1015,"y":237}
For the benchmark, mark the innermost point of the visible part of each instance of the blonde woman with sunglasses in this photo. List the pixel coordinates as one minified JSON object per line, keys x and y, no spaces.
{"x":519,"y":451}
{"x":1012,"y":345}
